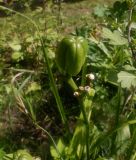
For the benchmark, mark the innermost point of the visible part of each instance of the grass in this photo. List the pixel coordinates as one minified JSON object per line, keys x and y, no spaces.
{"x":34,"y":86}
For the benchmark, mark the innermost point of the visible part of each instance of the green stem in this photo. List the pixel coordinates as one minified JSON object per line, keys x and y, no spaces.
{"x":84,"y":69}
{"x":87,"y":127}
{"x":54,"y":89}
{"x":74,"y":87}
{"x":71,"y":83}
{"x":51,"y":138}
{"x":132,"y":145}
{"x":117,"y":117}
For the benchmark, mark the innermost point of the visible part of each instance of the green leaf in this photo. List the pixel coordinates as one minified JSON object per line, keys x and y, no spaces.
{"x":29,"y":39}
{"x":99,"y":11}
{"x":16,"y":56}
{"x":115,"y":37}
{"x":50,"y":54}
{"x":60,"y":147}
{"x":112,"y":77}
{"x":15,"y":47}
{"x":34,"y":86}
{"x":123,"y":135}
{"x":77,"y":143}
{"x":133,"y":25}
{"x":129,"y":68}
{"x":126,"y":79}
{"x":101,"y":46}
{"x":2,"y":153}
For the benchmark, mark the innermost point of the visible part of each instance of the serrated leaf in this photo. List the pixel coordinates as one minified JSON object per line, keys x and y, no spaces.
{"x":99,"y":11}
{"x":126,"y":79}
{"x":116,"y":38}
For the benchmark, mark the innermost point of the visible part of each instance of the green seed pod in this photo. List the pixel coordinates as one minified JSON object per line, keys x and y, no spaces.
{"x":71,"y":54}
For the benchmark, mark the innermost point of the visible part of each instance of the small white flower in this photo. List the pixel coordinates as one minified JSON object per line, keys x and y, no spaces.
{"x":81,"y":88}
{"x":90,"y":76}
{"x":76,"y":94}
{"x":87,"y":88}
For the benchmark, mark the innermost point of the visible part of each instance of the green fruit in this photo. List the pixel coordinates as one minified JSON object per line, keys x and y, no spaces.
{"x":22,"y":155}
{"x":71,"y":55}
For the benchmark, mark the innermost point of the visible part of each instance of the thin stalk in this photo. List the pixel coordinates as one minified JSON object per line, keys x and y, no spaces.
{"x":117,"y":115}
{"x":51,"y":138}
{"x":54,"y":89}
{"x":72,"y":84}
{"x":132,"y":145}
{"x":87,"y":128}
{"x":84,"y":69}
{"x":59,"y":13}
{"x":129,"y":30}
{"x":31,"y":110}
{"x":10,"y":119}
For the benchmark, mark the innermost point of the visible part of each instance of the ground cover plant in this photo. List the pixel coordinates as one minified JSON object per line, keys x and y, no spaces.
{"x":67,"y":93}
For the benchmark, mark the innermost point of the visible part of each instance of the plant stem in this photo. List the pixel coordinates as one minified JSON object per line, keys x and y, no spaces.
{"x":51,"y":138}
{"x":84,"y":69}
{"x":132,"y":145}
{"x":129,"y":30}
{"x":83,"y":105}
{"x":117,"y":117}
{"x":87,"y":127}
{"x":54,"y":89}
{"x":71,"y":83}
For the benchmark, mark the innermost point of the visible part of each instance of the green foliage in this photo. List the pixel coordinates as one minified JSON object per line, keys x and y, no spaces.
{"x":103,"y":124}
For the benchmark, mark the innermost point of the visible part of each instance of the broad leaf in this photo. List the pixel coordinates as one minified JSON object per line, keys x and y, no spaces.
{"x":99,"y":11}
{"x":126,"y":79}
{"x":115,"y":37}
{"x":60,"y":147}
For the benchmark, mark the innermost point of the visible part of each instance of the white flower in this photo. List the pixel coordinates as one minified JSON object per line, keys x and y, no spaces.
{"x":87,"y":88}
{"x":81,"y":88}
{"x":90,"y":76}
{"x":76,"y":94}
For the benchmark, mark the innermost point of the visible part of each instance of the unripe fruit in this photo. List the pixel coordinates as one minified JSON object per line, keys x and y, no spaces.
{"x":71,"y":54}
